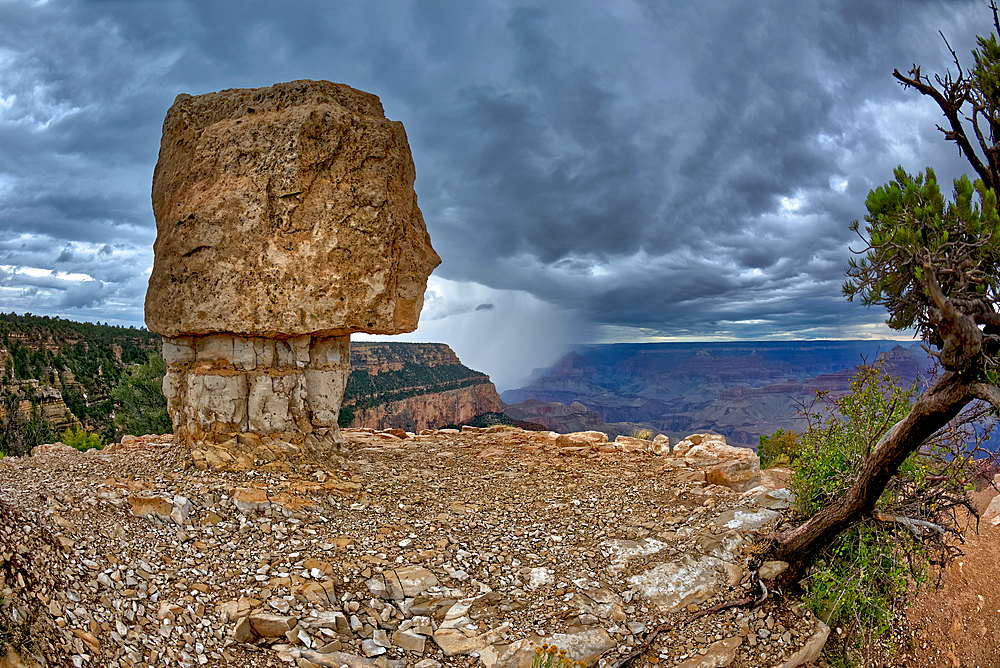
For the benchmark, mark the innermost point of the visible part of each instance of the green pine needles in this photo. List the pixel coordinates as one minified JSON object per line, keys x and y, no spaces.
{"x":910,"y":226}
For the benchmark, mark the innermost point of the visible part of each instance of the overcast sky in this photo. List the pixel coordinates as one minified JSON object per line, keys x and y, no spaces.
{"x":589,"y":170}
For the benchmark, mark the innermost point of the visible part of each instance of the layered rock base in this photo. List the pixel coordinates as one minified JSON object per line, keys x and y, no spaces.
{"x":264,"y":399}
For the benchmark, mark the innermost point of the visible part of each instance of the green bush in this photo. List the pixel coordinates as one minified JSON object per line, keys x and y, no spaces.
{"x":865,"y":577}
{"x":346,"y":417}
{"x":782,"y":448}
{"x":81,"y":439}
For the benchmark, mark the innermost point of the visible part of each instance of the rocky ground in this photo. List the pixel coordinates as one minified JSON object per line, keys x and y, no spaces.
{"x":444,"y":548}
{"x":958,"y":624}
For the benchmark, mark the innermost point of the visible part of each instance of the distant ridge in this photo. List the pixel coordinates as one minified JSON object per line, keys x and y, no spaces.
{"x":414,"y":386}
{"x":741,"y":389}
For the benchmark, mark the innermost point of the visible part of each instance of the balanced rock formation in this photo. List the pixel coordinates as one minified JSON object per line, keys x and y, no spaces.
{"x":286,"y":219}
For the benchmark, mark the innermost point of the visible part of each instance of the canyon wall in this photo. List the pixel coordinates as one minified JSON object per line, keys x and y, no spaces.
{"x":739,"y":389}
{"x":432,"y":410}
{"x":414,"y":386}
{"x":51,"y":406}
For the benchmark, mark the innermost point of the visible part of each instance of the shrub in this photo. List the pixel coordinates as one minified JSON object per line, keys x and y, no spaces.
{"x":346,"y":417}
{"x":865,"y":577}
{"x":782,"y":448}
{"x":81,"y":439}
{"x":644,"y":434}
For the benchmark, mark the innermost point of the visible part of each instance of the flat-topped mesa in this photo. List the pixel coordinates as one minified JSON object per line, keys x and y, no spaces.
{"x":286,"y":219}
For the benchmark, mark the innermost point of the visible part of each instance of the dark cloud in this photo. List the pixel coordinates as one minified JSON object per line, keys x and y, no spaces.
{"x":653,"y":168}
{"x":66,"y":255}
{"x":485,"y":307}
{"x":80,"y":295}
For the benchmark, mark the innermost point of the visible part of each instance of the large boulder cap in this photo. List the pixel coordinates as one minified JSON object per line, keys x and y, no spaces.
{"x":286,"y":211}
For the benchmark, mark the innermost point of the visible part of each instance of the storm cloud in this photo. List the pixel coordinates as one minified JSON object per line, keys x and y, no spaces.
{"x":630,"y":170}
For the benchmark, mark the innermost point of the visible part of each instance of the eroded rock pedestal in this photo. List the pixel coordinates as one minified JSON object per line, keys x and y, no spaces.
{"x":288,"y":392}
{"x":286,"y":220}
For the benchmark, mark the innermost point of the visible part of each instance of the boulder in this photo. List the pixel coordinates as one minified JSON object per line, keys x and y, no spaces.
{"x":268,"y":625}
{"x":285,"y":211}
{"x":581,"y":438}
{"x":632,"y":444}
{"x":286,"y":220}
{"x":992,"y":513}
{"x":736,"y":468}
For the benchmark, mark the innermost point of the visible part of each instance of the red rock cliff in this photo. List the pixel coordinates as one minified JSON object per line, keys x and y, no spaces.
{"x":415,"y":386}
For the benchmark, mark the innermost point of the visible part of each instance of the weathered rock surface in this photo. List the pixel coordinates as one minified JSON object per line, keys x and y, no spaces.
{"x":285,"y":211}
{"x":221,"y":385}
{"x":446,"y":548}
{"x":286,"y":219}
{"x":735,"y":468}
{"x":992,"y":513}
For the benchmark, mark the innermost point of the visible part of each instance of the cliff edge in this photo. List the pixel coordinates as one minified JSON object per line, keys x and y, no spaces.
{"x":414,"y":386}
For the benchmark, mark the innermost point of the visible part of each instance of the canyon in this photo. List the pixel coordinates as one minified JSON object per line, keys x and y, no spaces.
{"x":414,"y":386}
{"x":739,"y":389}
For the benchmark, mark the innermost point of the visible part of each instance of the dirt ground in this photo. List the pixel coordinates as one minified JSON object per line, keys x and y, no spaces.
{"x":958,"y":625}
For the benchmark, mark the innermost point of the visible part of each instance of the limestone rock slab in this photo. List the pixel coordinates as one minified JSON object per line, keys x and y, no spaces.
{"x":992,"y":513}
{"x":285,"y":211}
{"x":675,"y":584}
{"x":586,"y":646}
{"x":717,"y":655}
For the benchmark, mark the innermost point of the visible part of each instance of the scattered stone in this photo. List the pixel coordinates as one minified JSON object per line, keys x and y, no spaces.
{"x":772,"y":569}
{"x":394,"y":555}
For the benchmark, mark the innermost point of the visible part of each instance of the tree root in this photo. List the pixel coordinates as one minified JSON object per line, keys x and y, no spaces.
{"x":651,"y":636}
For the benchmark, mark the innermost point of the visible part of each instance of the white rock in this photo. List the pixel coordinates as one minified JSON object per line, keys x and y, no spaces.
{"x":992,"y":513}
{"x":746,"y":519}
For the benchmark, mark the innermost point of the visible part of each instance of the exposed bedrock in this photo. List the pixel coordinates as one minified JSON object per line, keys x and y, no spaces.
{"x":221,"y":384}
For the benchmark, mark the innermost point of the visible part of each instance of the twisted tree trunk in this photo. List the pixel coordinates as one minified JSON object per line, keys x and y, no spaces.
{"x":962,"y":357}
{"x":933,"y":409}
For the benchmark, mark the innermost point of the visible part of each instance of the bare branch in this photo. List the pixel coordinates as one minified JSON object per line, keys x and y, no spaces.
{"x":987,"y":392}
{"x":916,"y":526}
{"x":950,"y":109}
{"x":954,"y":56}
